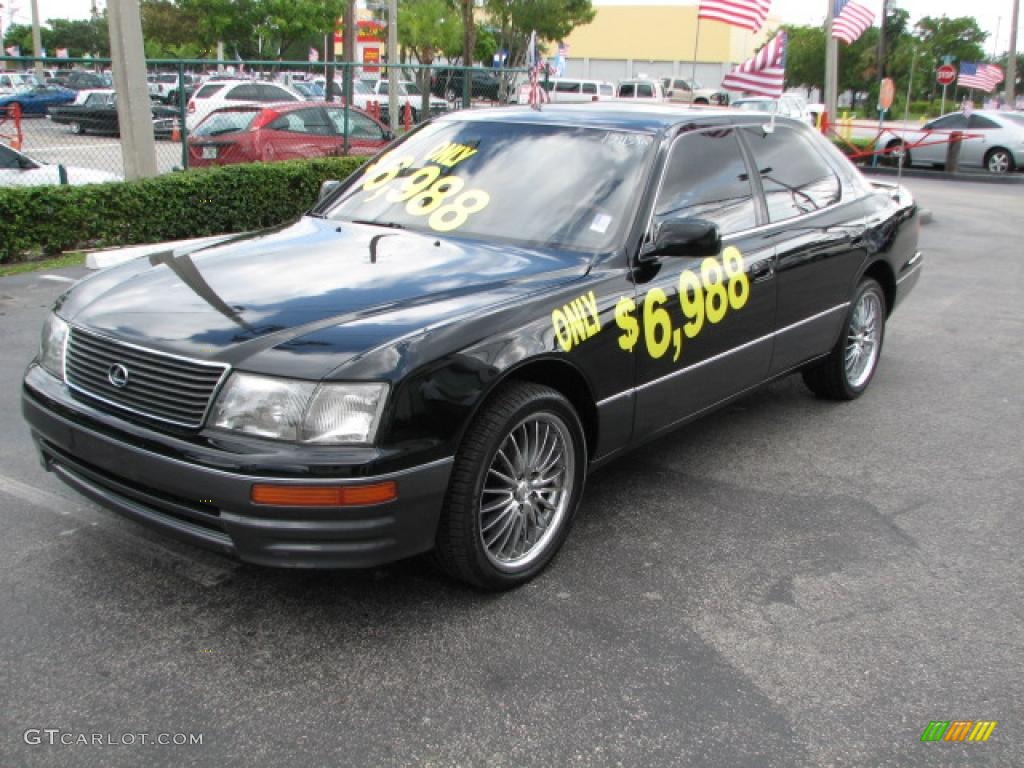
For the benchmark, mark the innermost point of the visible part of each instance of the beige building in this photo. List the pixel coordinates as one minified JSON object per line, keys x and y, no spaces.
{"x":656,"y":38}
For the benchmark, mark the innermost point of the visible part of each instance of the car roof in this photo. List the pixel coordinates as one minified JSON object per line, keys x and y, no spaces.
{"x":649,"y":117}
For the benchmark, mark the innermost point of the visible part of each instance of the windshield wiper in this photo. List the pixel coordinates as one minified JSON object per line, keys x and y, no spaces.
{"x":388,"y":224}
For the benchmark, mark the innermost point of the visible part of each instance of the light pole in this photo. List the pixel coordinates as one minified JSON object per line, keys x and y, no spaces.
{"x":1011,"y":57}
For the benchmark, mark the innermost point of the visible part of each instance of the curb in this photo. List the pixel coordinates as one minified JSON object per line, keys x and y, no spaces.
{"x":111,"y":257}
{"x":917,"y":173}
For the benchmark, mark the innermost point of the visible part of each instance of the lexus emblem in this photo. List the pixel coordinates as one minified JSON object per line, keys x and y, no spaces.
{"x":117,"y":374}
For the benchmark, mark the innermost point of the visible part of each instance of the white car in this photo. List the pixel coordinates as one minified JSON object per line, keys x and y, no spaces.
{"x":993,"y":140}
{"x":408,"y":93}
{"x":787,"y":105}
{"x":569,"y":90}
{"x":235,"y":93}
{"x":19,"y":170}
{"x":13,"y":82}
{"x":639,"y":90}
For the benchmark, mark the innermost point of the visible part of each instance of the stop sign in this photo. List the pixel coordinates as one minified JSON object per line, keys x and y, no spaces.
{"x":945,"y":75}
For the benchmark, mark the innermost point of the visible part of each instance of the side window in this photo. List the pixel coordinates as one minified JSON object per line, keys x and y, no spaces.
{"x":980,"y":121}
{"x":242,"y":93}
{"x":706,"y":178}
{"x":359,"y":126}
{"x":208,"y":90}
{"x":302,"y":121}
{"x":644,"y":91}
{"x":795,"y":178}
{"x":607,"y":89}
{"x":273,"y":93}
{"x":627,"y":91}
{"x":567,"y":87}
{"x":590,"y":88}
{"x":949,"y":123}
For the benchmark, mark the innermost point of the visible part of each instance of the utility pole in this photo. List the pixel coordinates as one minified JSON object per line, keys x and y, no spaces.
{"x":37,"y":40}
{"x":881,"y":41}
{"x":348,"y":53}
{"x":1011,"y":57}
{"x":831,"y":64}
{"x":393,"y":118}
{"x":134,"y":114}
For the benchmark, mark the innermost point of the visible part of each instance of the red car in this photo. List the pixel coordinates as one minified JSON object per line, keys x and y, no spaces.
{"x":283,"y":131}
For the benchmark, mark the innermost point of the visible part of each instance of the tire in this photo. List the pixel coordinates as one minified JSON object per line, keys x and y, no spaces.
{"x":492,"y":488}
{"x":999,"y":161}
{"x":77,"y":129}
{"x":847,"y":371}
{"x":893,"y":158}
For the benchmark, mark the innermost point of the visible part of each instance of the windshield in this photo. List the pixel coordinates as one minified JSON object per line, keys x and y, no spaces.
{"x":1016,"y":119}
{"x":226,"y":122}
{"x":566,"y":187}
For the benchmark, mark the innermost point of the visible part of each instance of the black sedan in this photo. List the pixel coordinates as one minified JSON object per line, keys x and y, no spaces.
{"x":98,"y":114}
{"x":436,"y":356}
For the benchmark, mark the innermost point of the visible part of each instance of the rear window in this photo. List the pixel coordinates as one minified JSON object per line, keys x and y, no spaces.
{"x":208,"y":90}
{"x":226,"y":122}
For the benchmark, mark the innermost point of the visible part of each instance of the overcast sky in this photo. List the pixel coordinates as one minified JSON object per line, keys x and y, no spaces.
{"x":987,"y":12}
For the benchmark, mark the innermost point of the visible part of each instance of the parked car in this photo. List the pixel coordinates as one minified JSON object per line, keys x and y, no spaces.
{"x":683,"y":91}
{"x":77,"y":79}
{"x":449,"y":84}
{"x":166,"y":87}
{"x":98,"y":114}
{"x":37,"y":99}
{"x":408,"y":93}
{"x":569,"y":90}
{"x":224,"y":93}
{"x":442,"y":349}
{"x":994,"y":141}
{"x":285,"y":131}
{"x":639,"y":90}
{"x":20,"y":170}
{"x":15,"y":82}
{"x":787,"y":105}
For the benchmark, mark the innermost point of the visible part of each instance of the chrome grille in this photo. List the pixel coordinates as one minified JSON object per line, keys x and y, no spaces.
{"x":159,"y":386}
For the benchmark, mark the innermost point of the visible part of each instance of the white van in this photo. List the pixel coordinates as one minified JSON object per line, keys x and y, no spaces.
{"x":567,"y":90}
{"x":639,"y":89}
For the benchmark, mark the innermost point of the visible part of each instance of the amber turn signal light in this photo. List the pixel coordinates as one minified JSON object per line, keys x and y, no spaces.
{"x":323,"y":495}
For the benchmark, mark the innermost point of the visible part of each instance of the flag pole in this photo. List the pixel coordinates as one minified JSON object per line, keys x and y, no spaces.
{"x":831,"y":64}
{"x":696,"y":40}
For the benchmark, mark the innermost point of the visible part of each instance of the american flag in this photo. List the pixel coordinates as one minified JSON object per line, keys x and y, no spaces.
{"x":984,"y":77}
{"x":764,"y":73}
{"x":749,"y":14}
{"x":534,"y":63}
{"x":851,"y":20}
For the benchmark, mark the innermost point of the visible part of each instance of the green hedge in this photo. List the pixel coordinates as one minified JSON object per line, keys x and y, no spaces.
{"x":206,"y":201}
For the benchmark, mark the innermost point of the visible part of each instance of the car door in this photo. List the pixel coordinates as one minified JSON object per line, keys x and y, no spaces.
{"x":816,"y":234}
{"x":974,"y":150}
{"x":365,"y":137}
{"x":705,"y":322}
{"x":298,"y":133}
{"x":935,"y":146}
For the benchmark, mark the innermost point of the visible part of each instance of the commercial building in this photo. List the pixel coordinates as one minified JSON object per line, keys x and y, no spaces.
{"x":656,"y":38}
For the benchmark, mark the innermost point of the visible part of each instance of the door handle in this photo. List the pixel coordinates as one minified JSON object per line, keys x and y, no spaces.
{"x":762,"y":270}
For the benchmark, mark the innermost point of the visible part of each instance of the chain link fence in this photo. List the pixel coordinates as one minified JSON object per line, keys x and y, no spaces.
{"x":58,"y":117}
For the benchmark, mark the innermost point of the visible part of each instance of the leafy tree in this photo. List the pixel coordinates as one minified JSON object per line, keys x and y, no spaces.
{"x":552,"y":19}
{"x":80,"y":37}
{"x":805,"y":56}
{"x":960,"y":38}
{"x":427,"y":28}
{"x":168,"y":26}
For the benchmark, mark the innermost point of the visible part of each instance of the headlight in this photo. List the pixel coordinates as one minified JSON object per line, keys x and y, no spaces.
{"x":300,"y":411}
{"x":51,"y":345}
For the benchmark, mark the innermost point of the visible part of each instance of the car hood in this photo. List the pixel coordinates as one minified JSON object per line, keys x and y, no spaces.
{"x":303,"y":299}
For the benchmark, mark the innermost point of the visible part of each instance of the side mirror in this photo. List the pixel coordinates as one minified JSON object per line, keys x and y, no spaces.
{"x":686,"y":237}
{"x":326,"y":188}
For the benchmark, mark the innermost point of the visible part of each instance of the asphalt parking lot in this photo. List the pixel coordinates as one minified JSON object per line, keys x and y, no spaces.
{"x":788,"y":582}
{"x":52,"y":143}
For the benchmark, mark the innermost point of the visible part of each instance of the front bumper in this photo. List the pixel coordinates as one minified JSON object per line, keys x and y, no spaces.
{"x":202,"y":504}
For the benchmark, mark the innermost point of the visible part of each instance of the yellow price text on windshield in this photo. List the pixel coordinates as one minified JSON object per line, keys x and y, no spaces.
{"x":424,"y":191}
